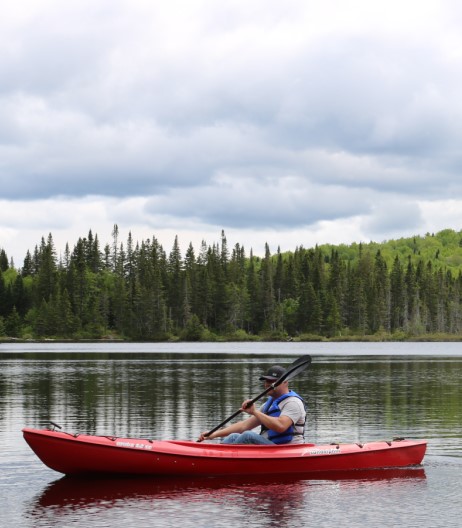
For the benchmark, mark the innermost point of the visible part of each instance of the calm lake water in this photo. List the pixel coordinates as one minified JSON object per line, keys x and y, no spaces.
{"x":354,"y":392}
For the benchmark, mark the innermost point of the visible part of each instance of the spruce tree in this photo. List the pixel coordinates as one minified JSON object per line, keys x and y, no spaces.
{"x":175,"y":285}
{"x":397,"y":296}
{"x":3,"y":260}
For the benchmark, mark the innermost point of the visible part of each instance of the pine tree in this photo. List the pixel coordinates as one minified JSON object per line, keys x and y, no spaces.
{"x":224,"y":256}
{"x":379,"y":296}
{"x":397,"y":296}
{"x":430,"y":297}
{"x":357,"y":279}
{"x":254,"y":322}
{"x":46,"y":270}
{"x":115,"y":246}
{"x":267,"y":301}
{"x":78,"y":286}
{"x":336,"y":285}
{"x":333,"y":320}
{"x":3,"y":260}
{"x":175,"y":295}
{"x":4,"y":302}
{"x":237,"y":294}
{"x":279,"y":277}
{"x":191,"y":286}
{"x":411,"y":322}
{"x":27,"y":269}
{"x":291,"y":283}
{"x":21,"y":298}
{"x":94,"y":257}
{"x":13,"y":324}
{"x":202,"y":306}
{"x":67,"y":323}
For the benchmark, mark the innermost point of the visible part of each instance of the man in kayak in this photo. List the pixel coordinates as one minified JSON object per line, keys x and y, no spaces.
{"x":281,"y":418}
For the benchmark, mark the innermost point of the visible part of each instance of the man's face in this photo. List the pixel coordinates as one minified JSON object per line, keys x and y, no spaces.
{"x":268,"y":383}
{"x":276,"y":390}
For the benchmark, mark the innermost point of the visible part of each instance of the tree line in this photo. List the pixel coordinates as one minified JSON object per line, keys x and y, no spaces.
{"x":139,"y":291}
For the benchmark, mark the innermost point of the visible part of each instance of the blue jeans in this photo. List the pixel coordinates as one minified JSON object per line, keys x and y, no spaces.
{"x":248,"y":437}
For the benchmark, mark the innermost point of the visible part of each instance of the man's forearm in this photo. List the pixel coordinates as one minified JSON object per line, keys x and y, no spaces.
{"x":278,"y":424}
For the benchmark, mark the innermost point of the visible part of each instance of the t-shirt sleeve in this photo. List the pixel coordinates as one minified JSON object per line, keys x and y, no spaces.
{"x":293,"y":408}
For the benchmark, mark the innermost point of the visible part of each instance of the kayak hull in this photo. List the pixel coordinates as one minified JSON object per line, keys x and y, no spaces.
{"x":80,"y":454}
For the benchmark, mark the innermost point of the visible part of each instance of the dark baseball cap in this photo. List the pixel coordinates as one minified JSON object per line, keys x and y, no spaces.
{"x":273,"y":373}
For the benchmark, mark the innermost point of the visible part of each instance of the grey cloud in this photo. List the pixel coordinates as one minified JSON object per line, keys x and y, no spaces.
{"x":266,"y":202}
{"x":375,"y":98}
{"x":393,"y":216}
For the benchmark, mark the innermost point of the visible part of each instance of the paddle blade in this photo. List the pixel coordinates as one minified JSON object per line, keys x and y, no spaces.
{"x":295,"y":369}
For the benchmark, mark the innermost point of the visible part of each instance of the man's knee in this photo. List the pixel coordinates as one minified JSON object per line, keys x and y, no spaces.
{"x":231,"y":439}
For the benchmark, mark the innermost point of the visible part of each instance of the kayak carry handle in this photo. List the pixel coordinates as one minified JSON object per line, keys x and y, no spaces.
{"x":55,"y":425}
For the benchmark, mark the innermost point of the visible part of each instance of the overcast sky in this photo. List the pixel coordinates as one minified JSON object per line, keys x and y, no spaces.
{"x":291,"y":122}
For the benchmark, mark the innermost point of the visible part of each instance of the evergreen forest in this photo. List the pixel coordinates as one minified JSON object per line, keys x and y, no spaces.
{"x":409,"y":288}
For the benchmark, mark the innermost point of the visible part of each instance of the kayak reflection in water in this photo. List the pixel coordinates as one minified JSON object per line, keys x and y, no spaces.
{"x":281,"y":417}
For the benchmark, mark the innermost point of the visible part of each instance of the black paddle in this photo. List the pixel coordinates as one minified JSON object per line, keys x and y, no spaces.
{"x":297,"y":366}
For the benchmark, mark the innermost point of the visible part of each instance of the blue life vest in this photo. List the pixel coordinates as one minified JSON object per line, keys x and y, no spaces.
{"x":271,"y":408}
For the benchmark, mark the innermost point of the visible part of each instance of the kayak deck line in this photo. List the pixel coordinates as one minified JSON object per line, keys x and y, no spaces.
{"x":139,"y":443}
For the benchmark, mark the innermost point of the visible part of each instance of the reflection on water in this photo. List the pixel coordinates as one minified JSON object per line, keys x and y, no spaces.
{"x":82,"y":492}
{"x":276,"y":499}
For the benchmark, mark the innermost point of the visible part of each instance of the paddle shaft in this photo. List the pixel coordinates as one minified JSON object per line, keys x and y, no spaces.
{"x":298,"y":365}
{"x":250,"y":403}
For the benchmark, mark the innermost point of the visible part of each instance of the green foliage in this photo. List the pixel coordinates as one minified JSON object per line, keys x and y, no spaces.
{"x":194,"y":330}
{"x":444,"y":249}
{"x":399,"y":289}
{"x":241,"y":335}
{"x":13,"y":324}
{"x":10,"y":275}
{"x":310,"y":338}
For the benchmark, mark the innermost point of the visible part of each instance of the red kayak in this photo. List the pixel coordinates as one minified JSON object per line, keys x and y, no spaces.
{"x":80,"y":454}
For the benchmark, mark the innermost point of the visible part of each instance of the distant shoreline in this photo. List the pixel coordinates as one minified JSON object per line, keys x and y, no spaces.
{"x":311,"y":339}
